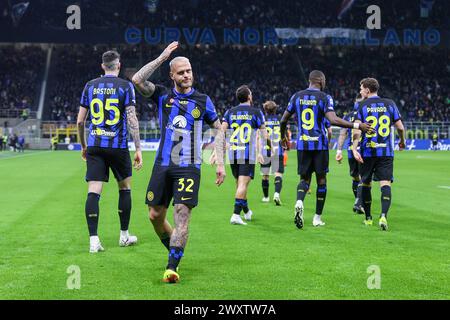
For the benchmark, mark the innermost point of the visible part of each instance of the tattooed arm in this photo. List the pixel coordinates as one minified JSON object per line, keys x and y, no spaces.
{"x":81,"y":120}
{"x":133,"y":128}
{"x":145,"y":87}
{"x":219,"y":150}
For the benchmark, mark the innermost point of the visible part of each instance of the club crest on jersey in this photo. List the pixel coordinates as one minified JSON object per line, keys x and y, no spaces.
{"x":170,"y":104}
{"x":179,"y":122}
{"x":196,"y":113}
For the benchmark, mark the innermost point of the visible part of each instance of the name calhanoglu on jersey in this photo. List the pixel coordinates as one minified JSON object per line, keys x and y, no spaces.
{"x":241,"y":117}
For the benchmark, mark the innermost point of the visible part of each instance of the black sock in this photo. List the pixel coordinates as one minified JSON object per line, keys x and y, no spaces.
{"x":302,"y":189}
{"x":321,"y":195}
{"x":278,"y":184}
{"x":366,"y":196}
{"x":92,"y":212}
{"x":245,"y":206}
{"x":165,"y":239}
{"x":385,"y":200}
{"x":358,"y":200}
{"x":355,"y":188}
{"x":237,"y":206}
{"x":265,"y":187}
{"x":175,"y":255}
{"x":124,"y":208}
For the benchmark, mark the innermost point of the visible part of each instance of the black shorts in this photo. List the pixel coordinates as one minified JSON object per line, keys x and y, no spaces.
{"x":381,"y":168}
{"x":246,"y":169}
{"x":310,"y":161}
{"x":435,"y":142}
{"x":100,"y":160}
{"x":354,"y":167}
{"x":274,"y":165}
{"x":180,"y":183}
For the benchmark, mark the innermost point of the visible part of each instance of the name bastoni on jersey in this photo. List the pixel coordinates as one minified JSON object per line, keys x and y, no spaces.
{"x":110,"y":91}
{"x":102,"y":132}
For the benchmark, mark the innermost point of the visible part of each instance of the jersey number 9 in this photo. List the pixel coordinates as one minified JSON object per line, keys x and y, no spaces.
{"x":98,"y":114}
{"x":308,"y":124}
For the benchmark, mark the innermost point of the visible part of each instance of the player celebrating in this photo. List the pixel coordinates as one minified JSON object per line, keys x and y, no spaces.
{"x":244,"y":119}
{"x":353,"y":164}
{"x":111,"y":103}
{"x":377,"y":150}
{"x":176,"y":172}
{"x":273,"y":162}
{"x":312,"y":107}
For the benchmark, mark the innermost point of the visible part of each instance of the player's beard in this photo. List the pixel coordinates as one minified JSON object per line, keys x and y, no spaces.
{"x":185,"y":84}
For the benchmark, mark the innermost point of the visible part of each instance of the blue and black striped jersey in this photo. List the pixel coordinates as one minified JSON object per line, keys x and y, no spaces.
{"x":181,"y":119}
{"x":273,"y":130}
{"x":310,"y":105}
{"x":381,"y":114}
{"x":244,"y":120}
{"x":106,"y":99}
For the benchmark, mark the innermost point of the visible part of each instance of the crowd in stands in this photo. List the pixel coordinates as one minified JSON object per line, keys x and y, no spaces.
{"x":20,"y":78}
{"x":234,"y":14}
{"x":418,"y":80}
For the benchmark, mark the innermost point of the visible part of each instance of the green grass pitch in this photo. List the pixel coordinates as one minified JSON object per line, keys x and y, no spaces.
{"x":43,"y":232}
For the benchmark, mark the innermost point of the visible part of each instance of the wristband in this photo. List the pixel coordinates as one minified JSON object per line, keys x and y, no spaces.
{"x":356,"y":125}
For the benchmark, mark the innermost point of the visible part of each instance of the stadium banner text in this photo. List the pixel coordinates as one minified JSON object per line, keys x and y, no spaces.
{"x":269,"y":36}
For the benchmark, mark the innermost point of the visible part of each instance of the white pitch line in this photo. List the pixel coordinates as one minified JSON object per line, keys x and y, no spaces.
{"x":444,"y":187}
{"x":24,"y":155}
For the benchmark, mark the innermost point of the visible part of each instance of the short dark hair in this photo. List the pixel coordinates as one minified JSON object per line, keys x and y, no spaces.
{"x":242,"y":93}
{"x":316,"y":76}
{"x":109,"y":57}
{"x":371,"y":84}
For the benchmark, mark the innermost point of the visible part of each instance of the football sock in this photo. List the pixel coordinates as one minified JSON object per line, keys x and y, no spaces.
{"x":265,"y":187}
{"x":175,"y":254}
{"x":358,"y":200}
{"x":245,"y":206}
{"x":278,"y":184}
{"x":385,"y":200}
{"x":165,"y":239}
{"x":321,"y":195}
{"x":302,"y":189}
{"x":366,"y":196}
{"x":92,"y":212}
{"x":237,"y":206}
{"x":124,"y":208}
{"x":355,"y":188}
